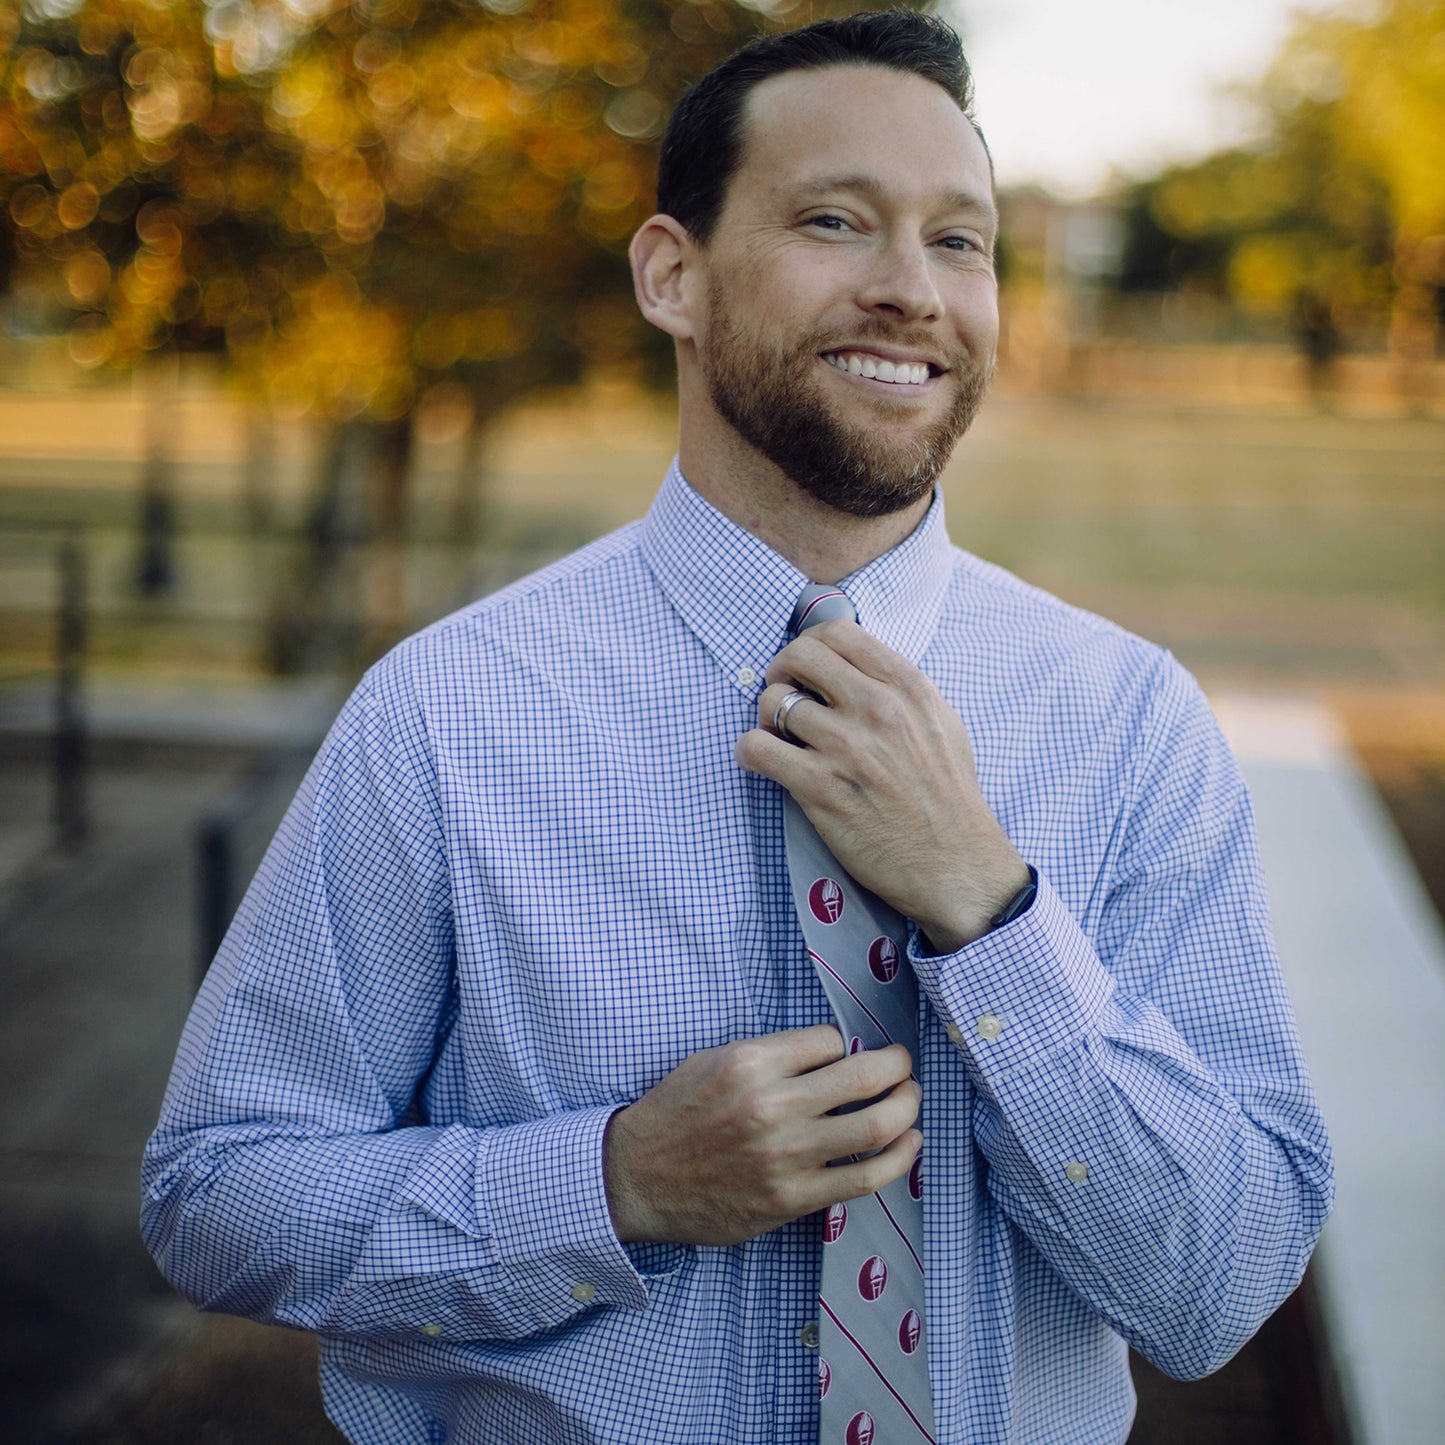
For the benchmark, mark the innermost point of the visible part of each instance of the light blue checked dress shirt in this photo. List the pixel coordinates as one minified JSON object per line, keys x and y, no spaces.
{"x":525,"y":879}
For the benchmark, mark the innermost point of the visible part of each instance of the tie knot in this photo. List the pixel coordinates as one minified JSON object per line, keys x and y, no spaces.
{"x":820,"y":604}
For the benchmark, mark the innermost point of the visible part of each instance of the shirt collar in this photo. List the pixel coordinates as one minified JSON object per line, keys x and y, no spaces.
{"x":736,"y":594}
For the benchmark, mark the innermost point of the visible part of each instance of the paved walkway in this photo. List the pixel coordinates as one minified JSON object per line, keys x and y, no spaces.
{"x":98,"y":962}
{"x":96,"y":980}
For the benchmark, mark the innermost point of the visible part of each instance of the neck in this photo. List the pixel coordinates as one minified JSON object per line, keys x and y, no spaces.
{"x":823,"y":543}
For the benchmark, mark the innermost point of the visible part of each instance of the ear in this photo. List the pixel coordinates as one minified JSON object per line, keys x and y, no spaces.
{"x":663,"y":254}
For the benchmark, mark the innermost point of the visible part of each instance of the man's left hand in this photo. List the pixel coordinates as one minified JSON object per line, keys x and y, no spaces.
{"x":886,"y":776}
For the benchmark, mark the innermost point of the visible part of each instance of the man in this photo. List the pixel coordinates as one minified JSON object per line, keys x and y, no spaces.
{"x":513,"y":1079}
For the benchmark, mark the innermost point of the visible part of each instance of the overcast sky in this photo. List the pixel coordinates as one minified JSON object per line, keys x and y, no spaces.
{"x":1068,"y":89}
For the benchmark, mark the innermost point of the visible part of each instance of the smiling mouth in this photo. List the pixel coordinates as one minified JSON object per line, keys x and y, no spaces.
{"x":874,"y":368}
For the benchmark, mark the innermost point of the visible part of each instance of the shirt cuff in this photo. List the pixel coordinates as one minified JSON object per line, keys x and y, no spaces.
{"x":542,"y":1201}
{"x":1022,"y":992}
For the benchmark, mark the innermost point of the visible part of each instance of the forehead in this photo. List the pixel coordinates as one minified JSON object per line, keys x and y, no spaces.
{"x":903,"y":131}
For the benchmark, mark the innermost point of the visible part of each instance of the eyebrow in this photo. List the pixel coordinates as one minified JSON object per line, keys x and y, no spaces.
{"x":873,"y":188}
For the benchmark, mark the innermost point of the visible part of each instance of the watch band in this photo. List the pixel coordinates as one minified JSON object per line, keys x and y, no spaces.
{"x":1019,"y":903}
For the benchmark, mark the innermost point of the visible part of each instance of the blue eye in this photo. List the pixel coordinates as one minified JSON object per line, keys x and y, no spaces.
{"x":829,"y":223}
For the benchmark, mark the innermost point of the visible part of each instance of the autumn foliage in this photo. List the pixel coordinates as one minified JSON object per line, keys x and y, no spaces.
{"x":348,"y":200}
{"x":1343,"y":192}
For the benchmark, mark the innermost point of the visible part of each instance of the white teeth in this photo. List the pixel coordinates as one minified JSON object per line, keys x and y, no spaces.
{"x":899,"y":373}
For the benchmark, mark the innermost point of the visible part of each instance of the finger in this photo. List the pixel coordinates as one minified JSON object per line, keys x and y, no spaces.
{"x":760,"y":751}
{"x":857,"y":1077}
{"x":806,"y":720}
{"x":861,"y":650}
{"x":865,"y":1131}
{"x":801,"y":1051}
{"x":811,"y":662}
{"x":867,"y":1176}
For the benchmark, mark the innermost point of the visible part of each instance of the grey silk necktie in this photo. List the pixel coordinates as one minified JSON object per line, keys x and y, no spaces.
{"x":872,"y":1349}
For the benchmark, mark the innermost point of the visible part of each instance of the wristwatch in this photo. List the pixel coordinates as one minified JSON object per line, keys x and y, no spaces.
{"x":1018,"y":904}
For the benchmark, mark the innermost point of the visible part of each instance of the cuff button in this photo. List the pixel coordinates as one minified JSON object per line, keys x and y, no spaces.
{"x":583,"y":1292}
{"x":989,"y":1027}
{"x":1076,"y":1172}
{"x":430,"y":1331}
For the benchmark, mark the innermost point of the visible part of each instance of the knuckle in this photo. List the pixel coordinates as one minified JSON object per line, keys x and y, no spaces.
{"x":776,"y":1196}
{"x":880,"y":1069}
{"x":892,"y":707}
{"x":882,"y":1169}
{"x":760,"y":1114}
{"x":875,"y":1129}
{"x":742,"y":1063}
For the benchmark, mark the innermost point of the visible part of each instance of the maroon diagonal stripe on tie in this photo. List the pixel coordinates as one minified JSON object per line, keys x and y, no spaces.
{"x":901,"y":1234}
{"x":887,"y":1383}
{"x":803,"y":620}
{"x":823,"y":963}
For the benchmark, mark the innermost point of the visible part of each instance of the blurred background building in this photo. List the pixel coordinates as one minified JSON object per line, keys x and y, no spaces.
{"x":315,"y":323}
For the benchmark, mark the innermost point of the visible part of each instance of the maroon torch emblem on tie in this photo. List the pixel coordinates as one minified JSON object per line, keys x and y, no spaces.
{"x":833,"y":1222}
{"x":860,"y":1429}
{"x":910,"y":1331}
{"x":825,"y":898}
{"x":915,"y":1178}
{"x":883,"y":959}
{"x":825,"y":1377}
{"x":873,"y":1277}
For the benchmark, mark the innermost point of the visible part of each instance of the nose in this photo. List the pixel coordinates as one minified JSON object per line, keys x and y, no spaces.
{"x":901,"y":284}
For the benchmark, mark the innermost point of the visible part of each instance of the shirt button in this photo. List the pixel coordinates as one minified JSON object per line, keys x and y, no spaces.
{"x":956,"y":1034}
{"x":432,"y":1331}
{"x":746,"y":677}
{"x":1076,"y":1171}
{"x":808,"y":1335}
{"x":989,"y":1027}
{"x":583,"y":1292}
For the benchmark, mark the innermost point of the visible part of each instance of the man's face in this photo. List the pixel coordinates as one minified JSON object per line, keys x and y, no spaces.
{"x":856,"y":242}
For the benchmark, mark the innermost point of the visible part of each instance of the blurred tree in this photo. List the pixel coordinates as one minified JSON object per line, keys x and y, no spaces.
{"x":1343,"y":197}
{"x":350,"y":202}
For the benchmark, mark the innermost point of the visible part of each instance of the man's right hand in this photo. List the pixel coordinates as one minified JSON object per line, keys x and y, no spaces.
{"x":736,"y":1140}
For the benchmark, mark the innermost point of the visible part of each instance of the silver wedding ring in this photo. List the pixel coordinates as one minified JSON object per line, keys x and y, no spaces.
{"x":780,"y":714}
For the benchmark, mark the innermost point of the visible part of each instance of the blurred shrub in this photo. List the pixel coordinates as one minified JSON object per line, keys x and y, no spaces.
{"x":1343,"y":196}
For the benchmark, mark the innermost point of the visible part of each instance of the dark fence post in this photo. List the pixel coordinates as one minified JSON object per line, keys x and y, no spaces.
{"x":216,"y":887}
{"x":230,"y":841}
{"x":72,"y":813}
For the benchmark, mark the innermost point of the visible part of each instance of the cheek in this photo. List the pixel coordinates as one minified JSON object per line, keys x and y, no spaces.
{"x":978,"y":311}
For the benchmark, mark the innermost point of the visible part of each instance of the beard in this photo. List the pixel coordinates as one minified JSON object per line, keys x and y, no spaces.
{"x":769,"y":398}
